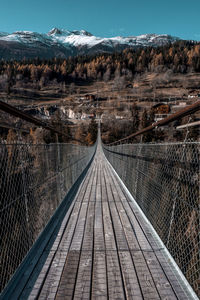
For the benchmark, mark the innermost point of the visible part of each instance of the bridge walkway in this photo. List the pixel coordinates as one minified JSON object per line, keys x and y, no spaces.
{"x":105,"y":248}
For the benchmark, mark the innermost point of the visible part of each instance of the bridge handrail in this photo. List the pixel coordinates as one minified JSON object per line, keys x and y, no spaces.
{"x":173,"y":117}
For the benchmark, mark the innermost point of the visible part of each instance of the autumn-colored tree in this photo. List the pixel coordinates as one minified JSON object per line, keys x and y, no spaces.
{"x":10,"y":140}
{"x":147,"y":120}
{"x":63,"y":69}
{"x":89,"y":139}
{"x":34,"y":73}
{"x":135,"y":117}
{"x":11,"y":137}
{"x":92,"y":132}
{"x":79,"y":134}
{"x":36,"y":135}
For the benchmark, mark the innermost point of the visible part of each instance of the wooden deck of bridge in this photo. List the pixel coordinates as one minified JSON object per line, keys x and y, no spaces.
{"x":105,"y":249}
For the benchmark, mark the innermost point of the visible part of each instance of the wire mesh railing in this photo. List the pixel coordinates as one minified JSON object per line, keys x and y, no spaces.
{"x":164,"y":180}
{"x":34,"y":179}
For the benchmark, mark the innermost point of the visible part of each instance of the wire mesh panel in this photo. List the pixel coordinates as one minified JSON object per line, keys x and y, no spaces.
{"x":34,"y":179}
{"x":164,"y":180}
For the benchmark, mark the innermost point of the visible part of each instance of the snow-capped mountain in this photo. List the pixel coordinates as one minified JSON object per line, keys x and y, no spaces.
{"x":64,"y":43}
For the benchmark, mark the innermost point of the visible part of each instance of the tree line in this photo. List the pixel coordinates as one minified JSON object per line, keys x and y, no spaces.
{"x":180,"y":57}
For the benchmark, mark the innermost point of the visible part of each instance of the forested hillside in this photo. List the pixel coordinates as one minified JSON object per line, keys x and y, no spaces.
{"x":181,"y":57}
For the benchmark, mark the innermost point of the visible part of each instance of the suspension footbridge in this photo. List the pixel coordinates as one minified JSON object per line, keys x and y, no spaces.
{"x":100,"y":222}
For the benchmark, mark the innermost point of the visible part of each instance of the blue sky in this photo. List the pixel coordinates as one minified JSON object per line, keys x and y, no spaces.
{"x":104,"y":18}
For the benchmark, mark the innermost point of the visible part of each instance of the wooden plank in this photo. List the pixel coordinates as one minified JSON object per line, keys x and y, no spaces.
{"x":171,"y":274}
{"x":50,"y":286}
{"x":83,"y":282}
{"x":90,"y":184}
{"x":115,"y":284}
{"x":83,"y":188}
{"x":79,"y":231}
{"x":92,"y":196}
{"x":103,"y":187}
{"x":99,"y":242}
{"x":131,"y":283}
{"x":107,"y":185}
{"x":68,"y":279}
{"x":99,"y":280}
{"x":144,"y":225}
{"x":141,"y":238}
{"x":118,"y":229}
{"x":109,"y":179}
{"x":147,"y":284}
{"x":117,"y":184}
{"x":69,"y":231}
{"x":87,"y":243}
{"x":32,"y":291}
{"x":98,"y":184}
{"x":163,"y":286}
{"x":108,"y":229}
{"x":128,"y":230}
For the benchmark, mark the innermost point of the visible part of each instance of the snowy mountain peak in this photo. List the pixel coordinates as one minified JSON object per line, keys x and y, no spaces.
{"x":54,"y":31}
{"x":82,"y":32}
{"x":57,"y":31}
{"x":23,"y":32}
{"x":63,"y":43}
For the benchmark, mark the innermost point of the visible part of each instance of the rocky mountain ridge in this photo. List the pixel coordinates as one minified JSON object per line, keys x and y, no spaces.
{"x":64,"y":43}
